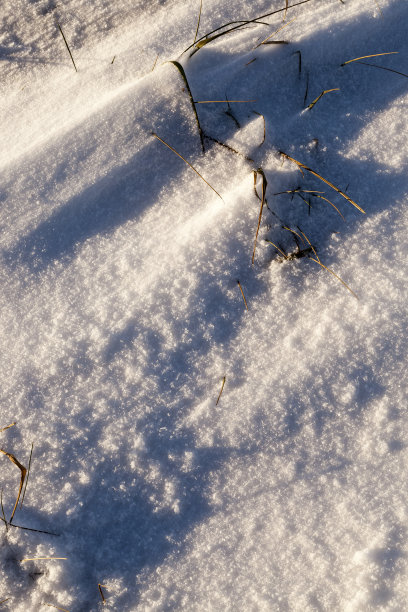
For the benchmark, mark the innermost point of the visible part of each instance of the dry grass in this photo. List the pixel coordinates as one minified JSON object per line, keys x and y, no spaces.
{"x":184,"y":77}
{"x":264,"y":185}
{"x":243,"y":295}
{"x":67,"y":46}
{"x":23,"y":475}
{"x":304,"y":167}
{"x":356,"y":59}
{"x":222,"y":389}
{"x":326,"y":91}
{"x":7,"y":427}
{"x":187,"y":162}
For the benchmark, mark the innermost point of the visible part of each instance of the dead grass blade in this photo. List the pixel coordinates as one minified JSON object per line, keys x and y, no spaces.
{"x":154,"y":64}
{"x":101,"y":592}
{"x":28,"y":528}
{"x":222,"y":144}
{"x":2,"y":510}
{"x":264,"y":42}
{"x":4,"y":600}
{"x":264,"y":185}
{"x":339,"y":191}
{"x":66,"y":44}
{"x":310,"y":244}
{"x":8,"y":427}
{"x":335,"y":275}
{"x":184,"y":76}
{"x":43,"y":559}
{"x":243,"y":296}
{"x":198,"y":22}
{"x":286,"y":9}
{"x":206,"y":38}
{"x":222,"y":101}
{"x":356,"y":59}
{"x":23,"y":474}
{"x":326,"y":91}
{"x":293,"y":232}
{"x":56,"y":607}
{"x":383,"y":68}
{"x":222,"y":389}
{"x":277,"y":248}
{"x":187,"y":162}
{"x":28,"y":474}
{"x":316,"y":195}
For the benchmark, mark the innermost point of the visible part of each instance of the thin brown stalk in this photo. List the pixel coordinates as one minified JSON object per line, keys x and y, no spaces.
{"x":8,"y":427}
{"x":221,"y":101}
{"x":264,"y":184}
{"x":67,"y":46}
{"x":154,"y":64}
{"x":2,"y":510}
{"x":293,"y":231}
{"x":384,"y":68}
{"x":356,"y":59}
{"x":43,"y":559}
{"x":198,"y":22}
{"x":56,"y":607}
{"x":339,"y":191}
{"x":184,"y":77}
{"x":222,"y":389}
{"x":243,"y":296}
{"x":310,"y":244}
{"x":311,"y":105}
{"x":277,"y":248}
{"x":28,"y":528}
{"x":206,"y":38}
{"x":275,"y":32}
{"x":4,"y":600}
{"x":316,"y":195}
{"x":334,"y":274}
{"x":28,"y":474}
{"x":23,"y":474}
{"x":222,"y":144}
{"x":101,"y":592}
{"x":187,"y":162}
{"x":286,"y":9}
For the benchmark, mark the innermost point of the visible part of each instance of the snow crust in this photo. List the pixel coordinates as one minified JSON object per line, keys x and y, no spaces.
{"x":121,"y":315}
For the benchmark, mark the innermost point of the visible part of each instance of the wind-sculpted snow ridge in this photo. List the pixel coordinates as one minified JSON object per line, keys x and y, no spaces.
{"x":217,"y":422}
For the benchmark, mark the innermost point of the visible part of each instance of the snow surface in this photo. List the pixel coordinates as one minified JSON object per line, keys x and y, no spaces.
{"x":121,"y":315}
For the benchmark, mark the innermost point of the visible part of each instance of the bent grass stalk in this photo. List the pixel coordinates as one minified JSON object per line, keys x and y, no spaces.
{"x":277,"y":248}
{"x":383,"y":68}
{"x":222,"y":101}
{"x":101,"y":592}
{"x":43,"y":559}
{"x":243,"y":295}
{"x":206,"y":38}
{"x":28,"y":474}
{"x":184,"y":77}
{"x":198,"y":22}
{"x":67,"y":46}
{"x":187,"y":162}
{"x":28,"y":528}
{"x":222,"y":389}
{"x":23,"y":474}
{"x":264,"y":184}
{"x":317,"y":260}
{"x":326,"y":91}
{"x":339,"y":191}
{"x":7,"y":427}
{"x":273,"y":34}
{"x":356,"y":59}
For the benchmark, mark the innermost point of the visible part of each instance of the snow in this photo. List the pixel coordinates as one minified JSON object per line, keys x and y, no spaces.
{"x":121,"y":315}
